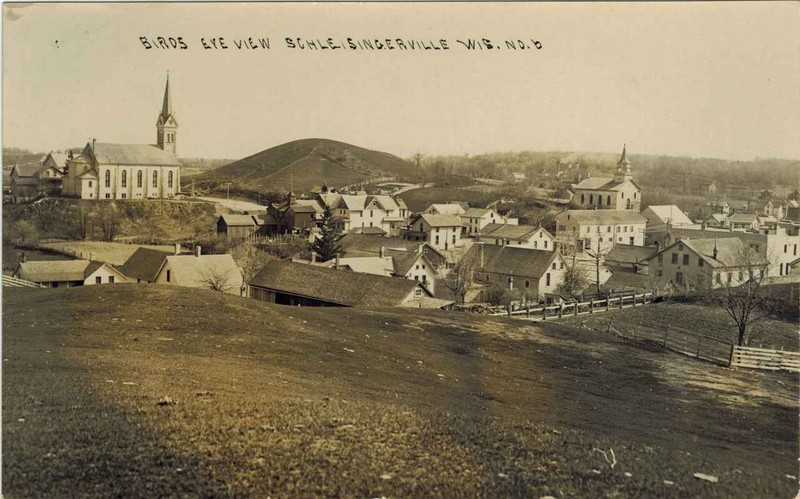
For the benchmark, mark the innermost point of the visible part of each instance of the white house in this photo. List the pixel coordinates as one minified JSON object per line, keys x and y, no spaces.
{"x":475,"y":219}
{"x":364,"y":211}
{"x":445,"y":209}
{"x":68,"y":273}
{"x":217,"y":272}
{"x":443,"y":232}
{"x":518,"y":236}
{"x":592,"y":229}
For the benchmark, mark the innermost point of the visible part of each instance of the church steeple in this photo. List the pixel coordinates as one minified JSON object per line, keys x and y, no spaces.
{"x":623,"y":166}
{"x":167,"y":125}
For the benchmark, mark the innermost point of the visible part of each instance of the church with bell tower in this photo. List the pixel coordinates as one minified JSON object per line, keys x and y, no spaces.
{"x":106,"y":170}
{"x":605,"y":193}
{"x":167,"y":125}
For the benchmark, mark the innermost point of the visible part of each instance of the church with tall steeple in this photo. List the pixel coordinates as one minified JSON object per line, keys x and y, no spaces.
{"x":107,"y":170}
{"x":606,"y":193}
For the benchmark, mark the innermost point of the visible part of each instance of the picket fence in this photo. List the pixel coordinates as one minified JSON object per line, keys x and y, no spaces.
{"x":542,"y":312}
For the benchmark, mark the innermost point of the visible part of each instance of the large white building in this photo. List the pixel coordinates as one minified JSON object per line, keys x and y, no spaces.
{"x":129,"y":171}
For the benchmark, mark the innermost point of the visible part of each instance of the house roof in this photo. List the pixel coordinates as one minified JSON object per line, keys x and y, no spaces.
{"x":719,"y":217}
{"x":302,"y":208}
{"x":132,"y":154}
{"x":743,"y":218}
{"x":629,"y":254}
{"x":58,"y":270}
{"x":509,"y":260}
{"x":191,"y":271}
{"x":375,"y":231}
{"x":403,"y":261}
{"x":602,"y":184}
{"x":622,"y":280}
{"x":511,"y":232}
{"x":238,"y":220}
{"x":26,"y":181}
{"x":667,"y":214}
{"x":605,"y":217}
{"x":334,"y":286}
{"x":475,"y":212}
{"x":731,"y":252}
{"x":447,"y":209}
{"x":144,"y":264}
{"x":374,"y":265}
{"x":441,"y":220}
{"x":59,"y":158}
{"x":26,"y":170}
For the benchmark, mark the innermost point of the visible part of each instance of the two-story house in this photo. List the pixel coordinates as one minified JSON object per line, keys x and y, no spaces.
{"x":707,"y":263}
{"x":535,"y":274}
{"x":475,"y":219}
{"x":443,"y":232}
{"x":579,"y":230}
{"x":518,"y":236}
{"x":604,"y":193}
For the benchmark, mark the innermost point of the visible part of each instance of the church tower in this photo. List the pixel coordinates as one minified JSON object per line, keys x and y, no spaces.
{"x":623,"y":166}
{"x":167,"y":125}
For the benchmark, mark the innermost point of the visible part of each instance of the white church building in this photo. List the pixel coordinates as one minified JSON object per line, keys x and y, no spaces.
{"x":129,"y":171}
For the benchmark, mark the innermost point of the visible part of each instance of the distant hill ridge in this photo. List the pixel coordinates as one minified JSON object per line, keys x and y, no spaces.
{"x":307,"y":163}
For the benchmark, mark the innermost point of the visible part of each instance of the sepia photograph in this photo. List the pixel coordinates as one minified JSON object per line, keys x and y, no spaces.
{"x":401,"y":249}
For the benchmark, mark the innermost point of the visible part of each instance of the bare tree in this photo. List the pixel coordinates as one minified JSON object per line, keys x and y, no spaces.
{"x":249,"y":258}
{"x":460,"y":279}
{"x":217,"y":280}
{"x":109,"y":221}
{"x":598,"y":255}
{"x":575,"y":279}
{"x":740,"y":292}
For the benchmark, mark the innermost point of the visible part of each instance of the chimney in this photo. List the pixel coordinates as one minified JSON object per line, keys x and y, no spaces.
{"x":94,"y":142}
{"x":198,"y":250}
{"x":421,"y":248}
{"x":177,"y":249}
{"x":336,"y":265}
{"x":313,"y":257}
{"x":383,"y":251}
{"x":715,"y":249}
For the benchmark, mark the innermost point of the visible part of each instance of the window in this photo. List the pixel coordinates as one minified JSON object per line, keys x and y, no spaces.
{"x":454,"y":239}
{"x":536,"y":245}
{"x":545,"y":245}
{"x":562,"y":265}
{"x":108,"y":178}
{"x":741,"y":276}
{"x":124,"y":195}
{"x":659,"y":273}
{"x":554,"y":265}
{"x":139,"y":178}
{"x":608,"y":229}
{"x":591,"y":198}
{"x":674,"y":258}
{"x":679,"y":277}
{"x":108,"y":196}
{"x":608,"y":200}
{"x":600,"y":200}
{"x":587,"y":228}
{"x":423,"y":266}
{"x":371,"y":213}
{"x":437,"y":239}
{"x":98,"y":279}
{"x":583,"y":199}
{"x":729,"y":278}
{"x":169,"y":179}
{"x":527,"y":284}
{"x":781,"y":270}
{"x":424,"y":278}
{"x":625,"y":229}
{"x":169,"y":276}
{"x":686,"y":259}
{"x":155,"y":179}
{"x":719,"y":278}
{"x":660,"y":259}
{"x":680,"y":247}
{"x":547,"y":279}
{"x":90,"y":183}
{"x":124,"y":179}
{"x":785,"y":248}
{"x":700,"y":262}
{"x":111,"y":279}
{"x":560,"y":228}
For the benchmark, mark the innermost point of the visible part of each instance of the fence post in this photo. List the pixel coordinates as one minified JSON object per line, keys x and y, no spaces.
{"x":508,"y":309}
{"x":730,"y":361}
{"x":528,"y":311}
{"x":544,"y":311}
{"x":591,"y":306}
{"x":608,"y":302}
{"x":561,"y":310}
{"x":634,"y":299}
{"x":576,"y":307}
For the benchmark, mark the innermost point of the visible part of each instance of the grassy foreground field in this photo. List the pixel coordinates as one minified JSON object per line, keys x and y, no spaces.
{"x":145,"y":391}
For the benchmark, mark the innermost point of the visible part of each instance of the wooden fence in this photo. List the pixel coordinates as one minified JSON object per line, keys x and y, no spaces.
{"x":762,"y":358}
{"x":542,"y":312}
{"x":13,"y":282}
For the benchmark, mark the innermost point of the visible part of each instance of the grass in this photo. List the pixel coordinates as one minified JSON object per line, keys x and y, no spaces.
{"x":696,"y":319}
{"x":113,"y":253}
{"x":281,"y":401}
{"x":418,"y":200}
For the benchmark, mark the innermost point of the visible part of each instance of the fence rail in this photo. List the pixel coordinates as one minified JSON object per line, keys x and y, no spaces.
{"x":543,"y":312}
{"x":762,"y":358}
{"x":13,"y":282}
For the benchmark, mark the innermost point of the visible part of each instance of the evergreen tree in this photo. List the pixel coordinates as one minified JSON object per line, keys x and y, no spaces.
{"x":326,"y":245}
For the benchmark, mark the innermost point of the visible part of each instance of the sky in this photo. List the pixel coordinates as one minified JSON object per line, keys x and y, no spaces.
{"x":707,"y":79}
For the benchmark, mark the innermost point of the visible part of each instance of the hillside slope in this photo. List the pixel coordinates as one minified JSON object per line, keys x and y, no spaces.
{"x":310,"y":162}
{"x":192,"y":392}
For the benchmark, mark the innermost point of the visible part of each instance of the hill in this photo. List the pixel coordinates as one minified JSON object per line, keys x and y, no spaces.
{"x":309,"y":162}
{"x":145,"y":390}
